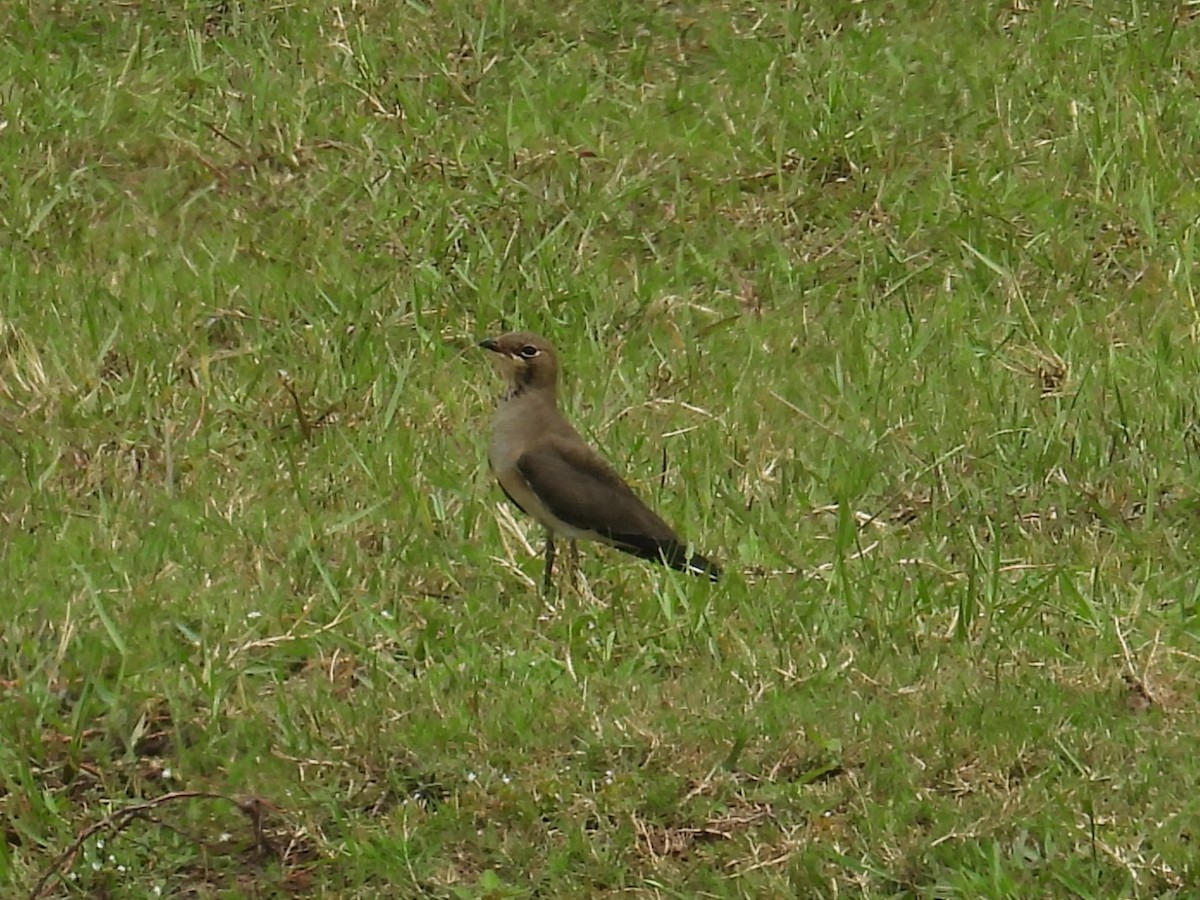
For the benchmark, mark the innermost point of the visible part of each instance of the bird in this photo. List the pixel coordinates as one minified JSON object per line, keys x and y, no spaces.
{"x":550,"y":473}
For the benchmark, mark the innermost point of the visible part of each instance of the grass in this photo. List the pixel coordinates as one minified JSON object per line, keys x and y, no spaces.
{"x":890,"y":306}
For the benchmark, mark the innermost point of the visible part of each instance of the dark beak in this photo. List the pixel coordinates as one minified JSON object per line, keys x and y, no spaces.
{"x":489,"y":344}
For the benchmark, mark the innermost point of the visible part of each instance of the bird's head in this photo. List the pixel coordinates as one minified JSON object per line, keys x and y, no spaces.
{"x":526,"y":360}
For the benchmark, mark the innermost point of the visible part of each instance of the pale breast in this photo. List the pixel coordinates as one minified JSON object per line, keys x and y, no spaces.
{"x":511,"y":436}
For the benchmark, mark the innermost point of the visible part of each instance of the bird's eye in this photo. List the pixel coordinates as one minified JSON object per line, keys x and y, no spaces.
{"x":529,"y":351}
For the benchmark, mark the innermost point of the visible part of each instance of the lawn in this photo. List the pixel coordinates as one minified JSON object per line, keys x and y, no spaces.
{"x":890,"y":307}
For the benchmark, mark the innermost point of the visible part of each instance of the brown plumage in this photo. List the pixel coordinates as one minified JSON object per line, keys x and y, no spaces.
{"x":548,"y":471}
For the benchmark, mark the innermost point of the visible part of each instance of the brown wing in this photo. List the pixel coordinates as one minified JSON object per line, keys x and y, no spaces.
{"x":581,"y":489}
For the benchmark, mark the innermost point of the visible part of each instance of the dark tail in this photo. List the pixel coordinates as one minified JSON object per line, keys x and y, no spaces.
{"x":696,"y":565}
{"x":672,"y":554}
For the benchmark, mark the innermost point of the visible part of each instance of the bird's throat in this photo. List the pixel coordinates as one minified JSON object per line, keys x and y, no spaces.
{"x":522,"y":380}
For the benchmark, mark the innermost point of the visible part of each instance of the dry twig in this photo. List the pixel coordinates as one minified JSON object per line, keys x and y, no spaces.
{"x":116,"y":822}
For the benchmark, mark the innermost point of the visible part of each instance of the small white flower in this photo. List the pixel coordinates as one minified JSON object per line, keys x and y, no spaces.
{"x":254,"y":614}
{"x":506,"y":779}
{"x":471,"y":776}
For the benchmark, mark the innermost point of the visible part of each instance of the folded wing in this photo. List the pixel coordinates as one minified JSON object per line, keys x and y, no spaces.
{"x":578,"y":487}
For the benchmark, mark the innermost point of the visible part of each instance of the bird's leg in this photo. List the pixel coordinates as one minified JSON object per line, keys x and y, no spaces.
{"x":548,"y":572}
{"x":574,"y":564}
